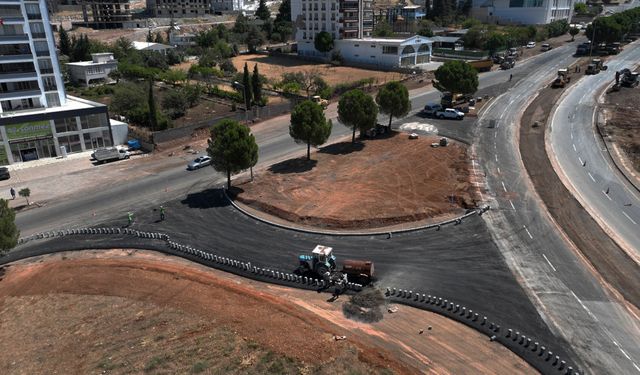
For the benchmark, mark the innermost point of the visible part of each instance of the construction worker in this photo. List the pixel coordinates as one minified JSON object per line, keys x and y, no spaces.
{"x":13,"y":193}
{"x":162,"y":213}
{"x":130,"y":217}
{"x":510,"y":77}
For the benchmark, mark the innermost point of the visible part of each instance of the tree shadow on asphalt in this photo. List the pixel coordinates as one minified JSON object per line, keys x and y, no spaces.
{"x":297,"y":165}
{"x":210,"y":198}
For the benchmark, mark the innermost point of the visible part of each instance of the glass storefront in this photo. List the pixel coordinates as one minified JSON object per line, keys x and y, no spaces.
{"x":33,"y":149}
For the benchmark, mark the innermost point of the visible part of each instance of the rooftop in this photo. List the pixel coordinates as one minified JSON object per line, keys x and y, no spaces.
{"x":72,"y":103}
{"x":146,"y":45}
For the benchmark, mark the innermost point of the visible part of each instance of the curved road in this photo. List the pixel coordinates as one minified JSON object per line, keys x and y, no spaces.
{"x":600,"y":330}
{"x":462,"y":263}
{"x":580,"y":154}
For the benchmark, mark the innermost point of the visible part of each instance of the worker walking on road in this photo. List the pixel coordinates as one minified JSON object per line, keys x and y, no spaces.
{"x":162,"y":213}
{"x":510,"y":77}
{"x":13,"y":193}
{"x":130,"y":217}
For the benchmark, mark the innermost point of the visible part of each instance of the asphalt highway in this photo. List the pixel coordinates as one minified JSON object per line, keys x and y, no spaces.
{"x":583,"y":159}
{"x":570,"y":298}
{"x":461,"y":263}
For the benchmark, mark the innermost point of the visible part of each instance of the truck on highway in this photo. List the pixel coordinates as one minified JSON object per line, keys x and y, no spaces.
{"x":482,"y":65}
{"x":103,"y":155}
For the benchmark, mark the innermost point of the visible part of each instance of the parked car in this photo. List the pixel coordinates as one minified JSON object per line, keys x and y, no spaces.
{"x":431,"y":109}
{"x":545,"y":47}
{"x":199,"y":162}
{"x":450,"y":113}
{"x":4,"y":173}
{"x":531,"y":44}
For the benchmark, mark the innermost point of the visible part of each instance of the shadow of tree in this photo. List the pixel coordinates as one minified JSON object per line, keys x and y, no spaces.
{"x":342,"y":148}
{"x":210,"y":198}
{"x":298,"y":165}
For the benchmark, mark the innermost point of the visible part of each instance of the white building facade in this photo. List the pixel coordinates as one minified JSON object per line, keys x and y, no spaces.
{"x":36,"y":117}
{"x":350,"y":22}
{"x":524,"y":12}
{"x":96,"y":70}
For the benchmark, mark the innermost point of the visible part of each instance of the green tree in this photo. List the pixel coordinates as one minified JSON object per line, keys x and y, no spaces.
{"x":255,"y":38}
{"x":25,"y":193}
{"x":263,"y":12}
{"x":323,"y":42}
{"x":153,"y":112}
{"x":174,"y":76}
{"x":574,"y":31}
{"x":158,"y":38}
{"x":393,"y":99}
{"x":232,"y":148}
{"x":382,"y":30}
{"x":581,"y":8}
{"x":241,"y":25}
{"x":9,"y":232}
{"x":246,"y":87}
{"x":149,"y":37}
{"x":65,"y":42}
{"x":607,"y":29}
{"x":424,"y":28}
{"x":495,"y":42}
{"x":192,"y":94}
{"x":282,"y":24}
{"x":256,"y":85}
{"x":457,"y":77}
{"x":308,"y":125}
{"x":357,"y":111}
{"x":174,"y":104}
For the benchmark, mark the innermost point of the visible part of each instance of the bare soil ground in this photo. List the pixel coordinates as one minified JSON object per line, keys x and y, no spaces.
{"x":127,"y":311}
{"x":611,"y":262}
{"x":622,"y":110}
{"x":379,"y":182}
{"x":273,"y":67}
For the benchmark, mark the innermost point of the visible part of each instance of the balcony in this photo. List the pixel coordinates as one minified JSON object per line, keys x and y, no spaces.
{"x":50,"y":88}
{"x":34,"y":16}
{"x":13,"y":39}
{"x":16,"y":58}
{"x":13,"y":19}
{"x":17,"y":76}
{"x":20,"y":94}
{"x":46,"y":70}
{"x":42,"y":53}
{"x":39,"y":35}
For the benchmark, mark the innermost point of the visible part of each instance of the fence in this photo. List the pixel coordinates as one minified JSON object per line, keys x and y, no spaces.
{"x":467,"y":55}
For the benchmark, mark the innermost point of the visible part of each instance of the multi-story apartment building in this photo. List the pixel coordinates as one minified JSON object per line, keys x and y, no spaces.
{"x":526,"y":12}
{"x":37,"y":119}
{"x":105,"y":14}
{"x":350,"y":22}
{"x":179,"y":8}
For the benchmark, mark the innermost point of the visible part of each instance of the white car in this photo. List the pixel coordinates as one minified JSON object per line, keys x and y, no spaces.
{"x":531,"y":44}
{"x":201,"y":161}
{"x":450,"y":113}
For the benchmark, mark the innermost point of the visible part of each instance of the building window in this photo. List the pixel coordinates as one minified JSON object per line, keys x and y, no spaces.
{"x":71,"y":142}
{"x":356,"y":45}
{"x":389,"y":50}
{"x":52,"y":100}
{"x":65,"y":125}
{"x":93,"y":121}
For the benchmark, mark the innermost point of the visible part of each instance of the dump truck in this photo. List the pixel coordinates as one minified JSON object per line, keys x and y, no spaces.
{"x":562,"y":79}
{"x":482,"y":65}
{"x":322,"y":263}
{"x":628,"y":78}
{"x":595,"y":67}
{"x":448,"y":100}
{"x":318,"y":100}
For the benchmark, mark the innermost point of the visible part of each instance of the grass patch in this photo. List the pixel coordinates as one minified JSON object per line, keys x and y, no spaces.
{"x":106,"y":364}
{"x":156,"y":362}
{"x":199,"y":367}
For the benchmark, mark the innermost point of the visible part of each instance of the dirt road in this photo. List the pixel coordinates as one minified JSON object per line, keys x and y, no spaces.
{"x":126,"y":311}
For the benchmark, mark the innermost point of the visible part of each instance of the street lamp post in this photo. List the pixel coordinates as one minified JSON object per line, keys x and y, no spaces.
{"x":244,"y":98}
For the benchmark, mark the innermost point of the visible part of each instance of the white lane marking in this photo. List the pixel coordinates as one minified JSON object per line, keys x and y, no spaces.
{"x":503,"y":187}
{"x":629,"y":217}
{"x":636,"y":366}
{"x":499,"y":170}
{"x":625,"y":353}
{"x":574,"y":147}
{"x":547,"y":259}
{"x":571,"y":135}
{"x":495,"y":135}
{"x":581,"y":162}
{"x":512,"y":206}
{"x":527,"y":230}
{"x":587,"y":310}
{"x":606,"y":195}
{"x":496,"y":157}
{"x":592,"y":179}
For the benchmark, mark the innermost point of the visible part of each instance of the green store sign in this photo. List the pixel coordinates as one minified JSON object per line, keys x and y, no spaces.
{"x":28,"y":130}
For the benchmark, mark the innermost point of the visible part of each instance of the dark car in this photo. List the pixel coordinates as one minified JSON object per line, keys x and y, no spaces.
{"x":4,"y":173}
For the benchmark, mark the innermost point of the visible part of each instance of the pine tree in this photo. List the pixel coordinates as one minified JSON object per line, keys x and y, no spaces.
{"x":232,"y":148}
{"x":65,"y":42}
{"x":256,"y":85}
{"x":246,"y":87}
{"x":9,"y":232}
{"x":263,"y":12}
{"x":153,"y":114}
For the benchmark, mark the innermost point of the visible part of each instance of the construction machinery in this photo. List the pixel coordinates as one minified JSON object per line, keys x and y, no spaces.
{"x":628,"y":78}
{"x":318,"y":100}
{"x":322,"y":263}
{"x":482,"y":65}
{"x":508,"y":63}
{"x":562,"y":79}
{"x":595,"y":67}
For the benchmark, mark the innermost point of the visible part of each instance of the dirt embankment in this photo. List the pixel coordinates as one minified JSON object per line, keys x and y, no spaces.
{"x":140,"y":312}
{"x":379,"y":182}
{"x":612,"y":263}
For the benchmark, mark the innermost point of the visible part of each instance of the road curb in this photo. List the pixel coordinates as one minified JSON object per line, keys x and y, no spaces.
{"x":435,"y":226}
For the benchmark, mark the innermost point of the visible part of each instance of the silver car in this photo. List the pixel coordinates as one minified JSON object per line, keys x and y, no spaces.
{"x":201,"y":161}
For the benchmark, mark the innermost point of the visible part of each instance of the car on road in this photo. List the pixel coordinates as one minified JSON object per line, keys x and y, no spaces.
{"x":431,"y":109}
{"x":4,"y":173}
{"x":531,"y":44}
{"x":545,"y":47}
{"x":199,"y":162}
{"x":450,"y":113}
